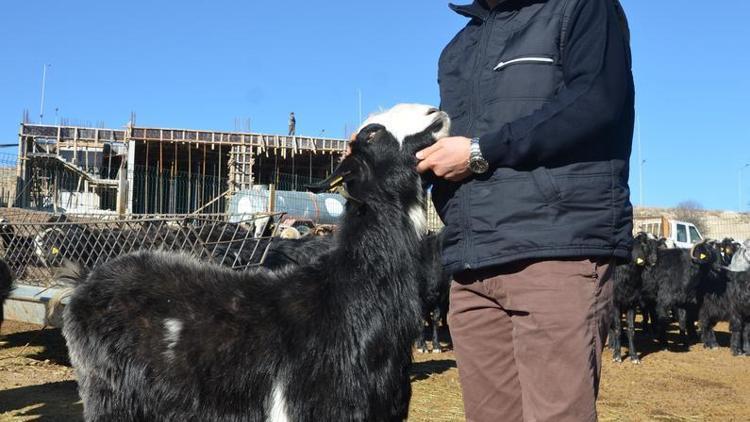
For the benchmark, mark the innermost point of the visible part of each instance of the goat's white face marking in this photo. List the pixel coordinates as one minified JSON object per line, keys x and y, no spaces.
{"x":278,"y":406}
{"x":172,"y":329}
{"x":404,"y":120}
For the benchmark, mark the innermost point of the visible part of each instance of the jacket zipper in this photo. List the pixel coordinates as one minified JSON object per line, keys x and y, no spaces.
{"x":485,"y":35}
{"x":502,"y":65}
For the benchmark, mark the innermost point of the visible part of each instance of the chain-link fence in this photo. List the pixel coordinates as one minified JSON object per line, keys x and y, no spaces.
{"x":434,"y":222}
{"x":35,"y":249}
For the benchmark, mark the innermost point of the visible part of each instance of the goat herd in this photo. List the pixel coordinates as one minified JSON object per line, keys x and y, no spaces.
{"x":708,"y":283}
{"x":324,"y":330}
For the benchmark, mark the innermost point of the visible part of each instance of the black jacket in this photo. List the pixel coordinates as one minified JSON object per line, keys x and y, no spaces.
{"x":548,"y":88}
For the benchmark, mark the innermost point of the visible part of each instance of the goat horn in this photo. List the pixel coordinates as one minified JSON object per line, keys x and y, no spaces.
{"x":692,"y":250}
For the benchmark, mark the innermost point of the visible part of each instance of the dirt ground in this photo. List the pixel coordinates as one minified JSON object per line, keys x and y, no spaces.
{"x":37,"y":383}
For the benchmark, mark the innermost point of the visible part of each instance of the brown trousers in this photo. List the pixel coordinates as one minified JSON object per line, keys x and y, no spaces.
{"x":528,"y":339}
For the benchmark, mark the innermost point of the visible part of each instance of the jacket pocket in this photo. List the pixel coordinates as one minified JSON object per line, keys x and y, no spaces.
{"x":531,"y":59}
{"x":525,"y":76}
{"x":546,"y":185}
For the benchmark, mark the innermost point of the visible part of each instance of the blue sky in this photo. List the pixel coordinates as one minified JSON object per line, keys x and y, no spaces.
{"x":204,"y":64}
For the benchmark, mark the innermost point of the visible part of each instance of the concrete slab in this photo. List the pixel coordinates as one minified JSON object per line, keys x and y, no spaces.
{"x":34,"y":305}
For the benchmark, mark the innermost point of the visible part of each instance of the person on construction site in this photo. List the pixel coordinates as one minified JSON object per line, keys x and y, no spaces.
{"x":533,"y":191}
{"x":292,"y":124}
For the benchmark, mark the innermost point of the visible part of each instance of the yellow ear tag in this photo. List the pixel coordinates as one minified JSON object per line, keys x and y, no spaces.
{"x":55,"y":251}
{"x":336,"y":181}
{"x":703,"y":256}
{"x":639,"y":261}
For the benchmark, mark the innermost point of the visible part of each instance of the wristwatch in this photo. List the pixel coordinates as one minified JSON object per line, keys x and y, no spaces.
{"x":477,"y":163}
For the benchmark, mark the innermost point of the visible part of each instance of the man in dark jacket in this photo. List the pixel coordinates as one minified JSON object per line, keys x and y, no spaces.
{"x":534,"y":194}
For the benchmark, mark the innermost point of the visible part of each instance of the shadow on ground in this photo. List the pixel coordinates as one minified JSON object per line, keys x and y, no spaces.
{"x":423,"y":370}
{"x":646,"y":343}
{"x":57,"y":401}
{"x":50,"y":339}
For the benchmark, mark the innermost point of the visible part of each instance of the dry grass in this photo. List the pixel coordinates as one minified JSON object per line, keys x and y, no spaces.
{"x":36,"y":383}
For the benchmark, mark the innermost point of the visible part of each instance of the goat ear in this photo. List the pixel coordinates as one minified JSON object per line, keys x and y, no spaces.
{"x":414,"y":143}
{"x":368,"y":133}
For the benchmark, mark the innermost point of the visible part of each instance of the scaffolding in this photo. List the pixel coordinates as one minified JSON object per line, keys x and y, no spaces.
{"x":144,"y":170}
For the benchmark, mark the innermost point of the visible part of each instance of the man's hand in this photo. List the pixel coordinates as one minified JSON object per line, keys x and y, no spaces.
{"x":447,"y":158}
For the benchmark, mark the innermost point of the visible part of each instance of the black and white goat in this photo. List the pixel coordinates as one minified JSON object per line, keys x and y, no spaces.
{"x":628,"y":289}
{"x":159,"y":336}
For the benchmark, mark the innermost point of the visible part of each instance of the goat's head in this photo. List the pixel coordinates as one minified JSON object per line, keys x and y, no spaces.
{"x":7,"y":233}
{"x":643,"y":253}
{"x":381,"y":168}
{"x":705,"y":253}
{"x":728,"y":248}
{"x":414,"y":126}
{"x":382,"y":162}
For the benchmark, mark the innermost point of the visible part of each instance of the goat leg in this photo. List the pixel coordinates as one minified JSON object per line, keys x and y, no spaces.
{"x":421,"y":342}
{"x":746,"y":338}
{"x":436,"y":315}
{"x":649,"y":320}
{"x":682,"y":318}
{"x":614,"y":335}
{"x":735,"y":343}
{"x":662,"y":322}
{"x":708,"y":337}
{"x":631,"y":336}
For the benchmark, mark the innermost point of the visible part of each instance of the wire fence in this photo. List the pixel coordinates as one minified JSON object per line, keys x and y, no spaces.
{"x":35,"y":250}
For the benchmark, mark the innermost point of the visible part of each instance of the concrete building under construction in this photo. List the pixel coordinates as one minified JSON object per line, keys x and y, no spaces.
{"x":143,"y":170}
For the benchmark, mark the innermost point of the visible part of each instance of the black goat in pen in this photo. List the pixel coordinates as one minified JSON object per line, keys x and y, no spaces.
{"x":674,"y":279}
{"x":434,"y":290}
{"x":715,"y":293}
{"x":6,"y":286}
{"x":157,"y":336}
{"x":628,"y":283}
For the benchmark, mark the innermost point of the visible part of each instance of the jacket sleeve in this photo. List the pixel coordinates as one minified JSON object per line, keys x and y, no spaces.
{"x":598,"y":82}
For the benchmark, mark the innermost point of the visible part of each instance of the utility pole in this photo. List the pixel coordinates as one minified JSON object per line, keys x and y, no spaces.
{"x":739,"y":187}
{"x":359,"y":92}
{"x":44,"y":83}
{"x":641,"y":161}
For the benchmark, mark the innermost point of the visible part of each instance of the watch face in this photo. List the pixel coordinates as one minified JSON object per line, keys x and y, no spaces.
{"x":478,"y":165}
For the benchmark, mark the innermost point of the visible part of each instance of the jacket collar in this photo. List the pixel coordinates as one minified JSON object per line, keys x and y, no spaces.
{"x":474,"y":10}
{"x":478,"y":9}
